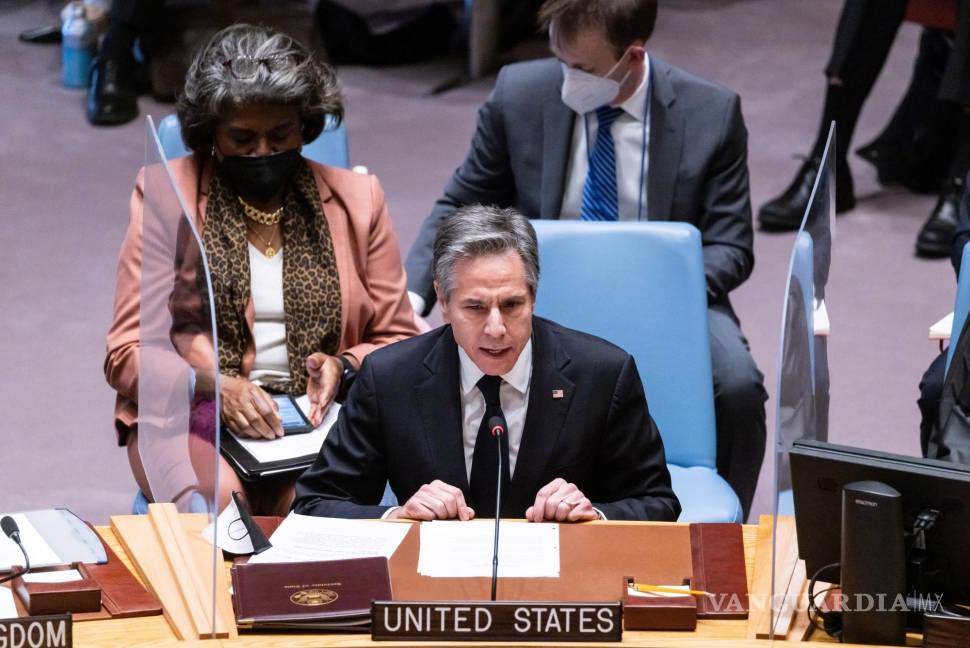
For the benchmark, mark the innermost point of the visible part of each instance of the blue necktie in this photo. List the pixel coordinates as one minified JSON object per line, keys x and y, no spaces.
{"x":600,"y":202}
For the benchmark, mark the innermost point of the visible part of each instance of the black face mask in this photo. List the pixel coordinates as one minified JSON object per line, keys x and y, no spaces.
{"x":260,"y":177}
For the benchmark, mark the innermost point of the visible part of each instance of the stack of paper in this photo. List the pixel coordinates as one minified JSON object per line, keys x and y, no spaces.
{"x":465,"y":549}
{"x":301,"y":538}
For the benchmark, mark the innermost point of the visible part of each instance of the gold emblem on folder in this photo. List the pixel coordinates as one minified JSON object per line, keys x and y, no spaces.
{"x":314,"y":597}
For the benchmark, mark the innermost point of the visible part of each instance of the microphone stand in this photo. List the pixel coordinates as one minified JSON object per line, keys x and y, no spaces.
{"x":13,"y":533}
{"x":498,"y":516}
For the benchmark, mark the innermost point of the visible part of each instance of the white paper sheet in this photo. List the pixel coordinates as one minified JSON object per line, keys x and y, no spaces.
{"x":294,"y":445}
{"x":452,"y":549}
{"x":40,"y":553}
{"x":59,"y":576}
{"x":304,"y":538}
{"x":8,"y":609}
{"x":233,"y":535}
{"x":943,"y":329}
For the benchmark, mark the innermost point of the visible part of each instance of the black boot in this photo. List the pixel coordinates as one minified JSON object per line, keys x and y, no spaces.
{"x":785,"y":212}
{"x":112,"y":96}
{"x":935,"y":238}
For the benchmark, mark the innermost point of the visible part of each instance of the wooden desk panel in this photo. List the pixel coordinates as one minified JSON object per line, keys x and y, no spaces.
{"x":594,"y":559}
{"x":153,"y":631}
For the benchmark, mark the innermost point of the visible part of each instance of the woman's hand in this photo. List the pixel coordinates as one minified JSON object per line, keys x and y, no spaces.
{"x":323,"y":381}
{"x":248,"y":410}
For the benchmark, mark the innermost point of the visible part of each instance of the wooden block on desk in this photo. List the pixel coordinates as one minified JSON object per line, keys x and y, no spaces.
{"x":74,"y":596}
{"x":661,"y":612}
{"x":175,"y":551}
{"x":759,"y":616}
{"x":138,"y":537}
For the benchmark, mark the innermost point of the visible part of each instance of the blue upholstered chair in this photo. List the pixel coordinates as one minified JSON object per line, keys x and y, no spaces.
{"x":329,"y":148}
{"x":962,"y":304}
{"x":642,"y":287}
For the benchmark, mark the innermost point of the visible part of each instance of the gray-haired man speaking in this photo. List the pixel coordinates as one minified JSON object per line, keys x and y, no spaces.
{"x":580,"y":442}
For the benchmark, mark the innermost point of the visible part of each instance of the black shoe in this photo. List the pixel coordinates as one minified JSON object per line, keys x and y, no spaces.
{"x":785,"y":212}
{"x":50,"y":34}
{"x":921,"y":171}
{"x":112,"y":98}
{"x":935,"y":238}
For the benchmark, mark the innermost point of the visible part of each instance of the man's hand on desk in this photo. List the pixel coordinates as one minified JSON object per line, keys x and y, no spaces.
{"x":434,"y":501}
{"x":561,"y":501}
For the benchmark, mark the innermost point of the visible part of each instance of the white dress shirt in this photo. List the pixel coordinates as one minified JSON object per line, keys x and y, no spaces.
{"x":631,"y":139}
{"x":513,"y":395}
{"x":269,"y":323}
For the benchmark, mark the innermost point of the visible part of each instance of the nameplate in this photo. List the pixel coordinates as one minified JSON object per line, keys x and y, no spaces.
{"x":495,"y":621}
{"x":50,"y":631}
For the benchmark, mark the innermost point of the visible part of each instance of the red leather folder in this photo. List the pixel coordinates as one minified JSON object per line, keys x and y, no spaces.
{"x":717,"y":558}
{"x":333,"y":594}
{"x":122,"y":595}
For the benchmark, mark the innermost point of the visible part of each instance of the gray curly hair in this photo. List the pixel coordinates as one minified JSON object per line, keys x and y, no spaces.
{"x":296,"y":79}
{"x":482,"y":230}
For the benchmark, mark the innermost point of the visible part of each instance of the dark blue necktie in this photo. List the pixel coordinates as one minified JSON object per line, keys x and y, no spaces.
{"x":600,"y":202}
{"x":485,"y":458}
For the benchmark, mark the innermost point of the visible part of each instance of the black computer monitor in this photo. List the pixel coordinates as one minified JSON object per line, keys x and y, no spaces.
{"x":821,"y":470}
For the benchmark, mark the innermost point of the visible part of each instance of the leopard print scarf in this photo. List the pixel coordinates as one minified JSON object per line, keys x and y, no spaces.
{"x":311,"y":285}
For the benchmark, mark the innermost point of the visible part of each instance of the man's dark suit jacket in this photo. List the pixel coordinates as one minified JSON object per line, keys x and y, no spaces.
{"x":402,"y":423}
{"x":697,"y":173}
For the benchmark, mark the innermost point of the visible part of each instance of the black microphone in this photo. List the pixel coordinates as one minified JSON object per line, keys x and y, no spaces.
{"x":10,"y":528}
{"x":496,"y":425}
{"x":12,"y":531}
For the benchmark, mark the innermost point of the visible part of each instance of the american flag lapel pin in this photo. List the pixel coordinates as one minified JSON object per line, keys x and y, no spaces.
{"x":557,"y":393}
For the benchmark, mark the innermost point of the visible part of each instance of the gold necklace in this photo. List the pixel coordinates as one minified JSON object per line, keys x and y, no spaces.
{"x":270,"y":251}
{"x":261,"y":217}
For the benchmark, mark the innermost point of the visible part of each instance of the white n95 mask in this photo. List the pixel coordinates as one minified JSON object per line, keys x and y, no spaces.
{"x":584,"y":92}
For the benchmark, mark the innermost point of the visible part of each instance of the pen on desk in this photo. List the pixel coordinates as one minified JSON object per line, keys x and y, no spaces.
{"x":643,"y":587}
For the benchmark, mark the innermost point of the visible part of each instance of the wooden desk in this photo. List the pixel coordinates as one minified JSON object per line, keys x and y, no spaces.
{"x":154,"y":631}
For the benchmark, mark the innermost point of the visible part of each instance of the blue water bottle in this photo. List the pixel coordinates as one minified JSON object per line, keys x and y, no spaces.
{"x":78,"y":46}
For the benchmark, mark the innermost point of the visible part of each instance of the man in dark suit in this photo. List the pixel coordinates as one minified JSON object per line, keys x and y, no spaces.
{"x":677,"y":150}
{"x":580,"y":442}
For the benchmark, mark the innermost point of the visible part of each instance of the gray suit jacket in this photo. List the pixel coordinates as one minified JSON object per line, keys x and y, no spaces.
{"x":698,"y":171}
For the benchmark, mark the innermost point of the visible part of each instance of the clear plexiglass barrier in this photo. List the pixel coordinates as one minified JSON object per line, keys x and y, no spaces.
{"x":178,"y":382}
{"x":802,"y":401}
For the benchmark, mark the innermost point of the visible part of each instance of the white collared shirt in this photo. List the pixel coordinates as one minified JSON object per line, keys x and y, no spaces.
{"x":513,"y":395}
{"x":631,"y":138}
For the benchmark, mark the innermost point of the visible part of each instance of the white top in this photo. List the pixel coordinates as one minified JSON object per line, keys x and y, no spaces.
{"x":269,"y":325}
{"x":513,"y":395}
{"x":629,"y":134}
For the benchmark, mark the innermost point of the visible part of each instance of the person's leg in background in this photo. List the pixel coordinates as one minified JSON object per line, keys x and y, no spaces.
{"x":930,"y":392}
{"x":916,"y":146}
{"x":936,"y":236}
{"x":739,"y":405}
{"x":864,"y":36}
{"x":113,"y":93}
